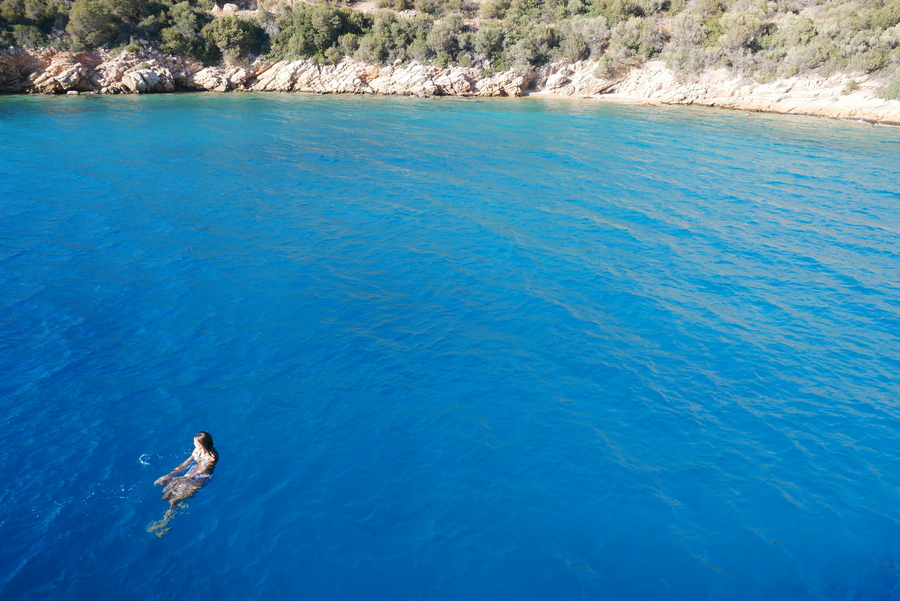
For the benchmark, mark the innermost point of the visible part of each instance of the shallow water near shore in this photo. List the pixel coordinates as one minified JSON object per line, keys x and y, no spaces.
{"x":448,"y":349}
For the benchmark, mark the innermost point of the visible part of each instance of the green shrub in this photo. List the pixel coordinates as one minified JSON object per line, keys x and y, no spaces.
{"x":397,"y":5}
{"x":652,"y":7}
{"x":713,"y":27}
{"x":28,"y":36}
{"x":429,"y":7}
{"x":91,"y":24}
{"x":797,"y":30}
{"x":442,"y":39}
{"x":870,"y":60}
{"x":534,"y":49}
{"x":527,"y":12}
{"x":606,"y":67}
{"x":741,"y":28}
{"x":688,"y":30}
{"x":489,"y":42}
{"x":890,"y":91}
{"x":495,"y":9}
{"x":11,"y":12}
{"x":234,"y":37}
{"x":636,"y":38}
{"x":150,"y":26}
{"x":348,"y":43}
{"x":184,"y":35}
{"x":125,"y":11}
{"x":333,"y":55}
{"x":46,"y":14}
{"x":576,"y":7}
{"x":175,"y":42}
{"x":594,"y":31}
{"x":711,"y":7}
{"x":887,"y":15}
{"x":581,"y":38}
{"x":617,"y":11}
{"x":766,"y":76}
{"x":891,"y":36}
{"x":41,"y":14}
{"x":573,"y":49}
{"x":392,"y":38}
{"x":811,"y":56}
{"x":311,"y":30}
{"x":469,"y":7}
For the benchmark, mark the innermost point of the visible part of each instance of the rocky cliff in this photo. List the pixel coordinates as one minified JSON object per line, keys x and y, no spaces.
{"x":47,"y":72}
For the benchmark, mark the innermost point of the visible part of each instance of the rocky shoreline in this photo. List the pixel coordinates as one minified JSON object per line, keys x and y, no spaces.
{"x":841,"y":96}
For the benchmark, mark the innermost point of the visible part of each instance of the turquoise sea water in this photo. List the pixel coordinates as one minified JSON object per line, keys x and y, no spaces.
{"x":448,"y":349}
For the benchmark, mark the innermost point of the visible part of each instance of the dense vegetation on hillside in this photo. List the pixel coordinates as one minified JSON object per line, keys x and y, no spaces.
{"x":759,"y":38}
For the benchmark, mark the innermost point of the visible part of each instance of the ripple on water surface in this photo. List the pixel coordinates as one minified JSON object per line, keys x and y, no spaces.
{"x":447,"y":349}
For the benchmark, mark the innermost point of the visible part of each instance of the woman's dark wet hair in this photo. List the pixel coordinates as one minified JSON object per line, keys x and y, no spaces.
{"x":206,"y":441}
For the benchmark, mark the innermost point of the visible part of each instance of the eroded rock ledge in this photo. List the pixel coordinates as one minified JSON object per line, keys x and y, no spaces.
{"x":840,"y":96}
{"x":48,"y":72}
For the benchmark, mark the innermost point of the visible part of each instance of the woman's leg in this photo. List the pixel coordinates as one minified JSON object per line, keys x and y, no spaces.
{"x":161,"y":526}
{"x":175,"y":496}
{"x":176,"y":492}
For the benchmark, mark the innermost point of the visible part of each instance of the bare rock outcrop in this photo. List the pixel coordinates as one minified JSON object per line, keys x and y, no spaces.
{"x":506,"y":83}
{"x":845,"y":96}
{"x":144,"y":73}
{"x":62,"y":78}
{"x":16,"y":67}
{"x":52,"y":72}
{"x":576,"y":79}
{"x":226,"y":78}
{"x":145,"y":81}
{"x":840,"y":96}
{"x":354,"y":77}
{"x":64,"y":72}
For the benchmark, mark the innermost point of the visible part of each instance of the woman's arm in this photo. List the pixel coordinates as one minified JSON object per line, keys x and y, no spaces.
{"x":165,"y":479}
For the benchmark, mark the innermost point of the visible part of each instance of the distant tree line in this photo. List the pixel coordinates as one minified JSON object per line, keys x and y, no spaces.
{"x":764,"y":39}
{"x":185,"y":28}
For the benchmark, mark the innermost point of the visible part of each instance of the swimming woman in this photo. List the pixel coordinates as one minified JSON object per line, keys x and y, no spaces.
{"x":179,"y":488}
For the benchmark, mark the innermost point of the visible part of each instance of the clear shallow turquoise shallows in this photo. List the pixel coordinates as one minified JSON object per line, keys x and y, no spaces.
{"x":448,"y":349}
